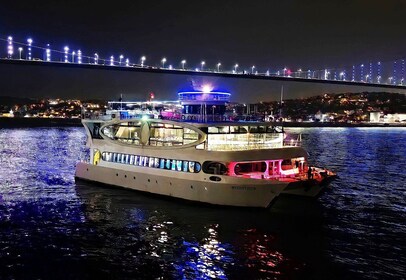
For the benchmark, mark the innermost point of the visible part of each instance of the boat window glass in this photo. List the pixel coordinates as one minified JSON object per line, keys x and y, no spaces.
{"x":151,"y":162}
{"x":243,"y":129}
{"x":191,"y":166}
{"x":185,"y":165}
{"x":173,"y":166}
{"x":212,"y":167}
{"x":179,"y":165}
{"x":132,"y":159}
{"x":162,"y":163}
{"x":213,"y":129}
{"x":200,"y":146}
{"x":168,"y":164}
{"x":118,"y":157}
{"x":249,"y":167}
{"x":198,"y":167}
{"x":146,"y":161}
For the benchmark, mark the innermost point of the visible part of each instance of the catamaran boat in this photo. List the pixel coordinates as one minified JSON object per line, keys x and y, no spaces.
{"x":197,"y":154}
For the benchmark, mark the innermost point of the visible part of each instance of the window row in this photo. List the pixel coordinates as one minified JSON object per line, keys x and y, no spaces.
{"x":162,"y":163}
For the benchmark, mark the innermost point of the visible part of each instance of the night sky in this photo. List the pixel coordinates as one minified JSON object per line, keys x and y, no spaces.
{"x":314,"y":34}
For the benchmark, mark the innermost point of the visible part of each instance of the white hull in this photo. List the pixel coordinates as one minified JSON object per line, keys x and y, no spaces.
{"x":230,"y":191}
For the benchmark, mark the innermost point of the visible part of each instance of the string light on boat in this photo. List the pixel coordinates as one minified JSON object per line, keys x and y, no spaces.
{"x":10,"y":48}
{"x":29,"y":41}
{"x":66,"y":51}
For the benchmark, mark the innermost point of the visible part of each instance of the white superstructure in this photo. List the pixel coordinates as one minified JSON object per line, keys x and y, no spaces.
{"x":224,"y":163}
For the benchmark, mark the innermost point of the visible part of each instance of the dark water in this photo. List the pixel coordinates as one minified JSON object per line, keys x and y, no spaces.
{"x":54,"y":228}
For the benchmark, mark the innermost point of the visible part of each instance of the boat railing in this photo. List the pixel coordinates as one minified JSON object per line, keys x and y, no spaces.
{"x":293,"y":141}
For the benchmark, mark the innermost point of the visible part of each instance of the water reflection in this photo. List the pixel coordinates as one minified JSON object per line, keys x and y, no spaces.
{"x":52,"y":225}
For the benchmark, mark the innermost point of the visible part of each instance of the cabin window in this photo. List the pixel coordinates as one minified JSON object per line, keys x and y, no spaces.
{"x":249,"y":167}
{"x":286,"y":164}
{"x":211,"y":167}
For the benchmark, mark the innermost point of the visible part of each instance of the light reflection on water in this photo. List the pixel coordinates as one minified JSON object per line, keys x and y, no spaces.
{"x":50,"y":225}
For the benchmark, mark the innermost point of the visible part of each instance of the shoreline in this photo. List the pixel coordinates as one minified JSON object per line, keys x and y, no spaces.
{"x":55,"y":122}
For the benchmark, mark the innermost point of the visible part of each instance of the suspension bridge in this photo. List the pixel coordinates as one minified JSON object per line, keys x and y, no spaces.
{"x":388,"y":74}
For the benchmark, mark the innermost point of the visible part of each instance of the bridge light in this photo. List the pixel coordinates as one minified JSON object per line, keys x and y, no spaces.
{"x":79,"y":56}
{"x":218,"y":67}
{"x":66,"y":50}
{"x":29,"y":41}
{"x":96,"y":58}
{"x":252,"y":69}
{"x":10,"y":48}
{"x":202,"y":64}
{"x":48,"y":53}
{"x":127,"y":62}
{"x":235,"y":68}
{"x":120,"y":59}
{"x":73,"y":57}
{"x":20,"y":49}
{"x":183,"y":64}
{"x":111,"y":60}
{"x":142,"y":60}
{"x":163,"y":62}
